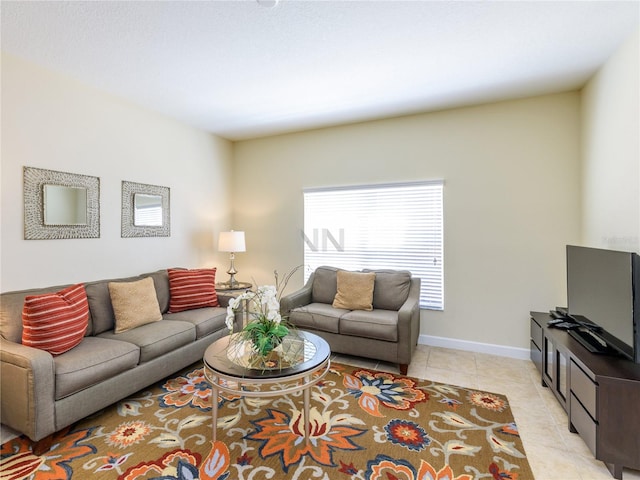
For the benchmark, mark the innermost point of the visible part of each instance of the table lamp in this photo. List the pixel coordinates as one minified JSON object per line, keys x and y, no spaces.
{"x":231,"y":242}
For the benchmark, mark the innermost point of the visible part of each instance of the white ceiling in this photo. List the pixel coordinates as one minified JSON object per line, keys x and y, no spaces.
{"x":241,"y":70}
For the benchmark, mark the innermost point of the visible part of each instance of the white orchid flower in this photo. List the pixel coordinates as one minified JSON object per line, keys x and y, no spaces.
{"x":260,"y":306}
{"x":229,"y":320}
{"x":274,"y":317}
{"x":273,"y":304}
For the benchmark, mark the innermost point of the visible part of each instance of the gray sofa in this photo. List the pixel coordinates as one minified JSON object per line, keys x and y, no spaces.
{"x":43,"y":393}
{"x":389,"y":332}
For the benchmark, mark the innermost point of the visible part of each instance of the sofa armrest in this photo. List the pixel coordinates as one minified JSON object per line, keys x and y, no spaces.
{"x":296,"y":299}
{"x":240,"y":317}
{"x":223,"y":299}
{"x":28,"y":389}
{"x":409,"y":322}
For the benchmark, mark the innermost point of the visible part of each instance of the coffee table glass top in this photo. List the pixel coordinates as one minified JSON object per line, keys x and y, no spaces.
{"x":298,"y":352}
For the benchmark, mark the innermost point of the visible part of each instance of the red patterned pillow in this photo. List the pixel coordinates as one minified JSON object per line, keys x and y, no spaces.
{"x":191,"y":289}
{"x":55,"y":322}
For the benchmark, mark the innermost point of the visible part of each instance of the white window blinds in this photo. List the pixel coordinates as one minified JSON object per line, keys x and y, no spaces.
{"x":397,"y":226}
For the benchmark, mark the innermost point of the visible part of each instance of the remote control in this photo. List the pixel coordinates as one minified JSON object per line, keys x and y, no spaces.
{"x":565,"y":325}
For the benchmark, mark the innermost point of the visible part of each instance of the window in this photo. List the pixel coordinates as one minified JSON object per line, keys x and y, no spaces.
{"x":398,"y":226}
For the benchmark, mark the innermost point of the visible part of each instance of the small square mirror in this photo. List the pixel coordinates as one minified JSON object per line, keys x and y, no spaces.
{"x":65,"y":205}
{"x":60,"y":205}
{"x":147,"y":210}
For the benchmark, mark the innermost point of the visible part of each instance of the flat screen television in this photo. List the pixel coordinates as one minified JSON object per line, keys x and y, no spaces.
{"x":603,"y":296}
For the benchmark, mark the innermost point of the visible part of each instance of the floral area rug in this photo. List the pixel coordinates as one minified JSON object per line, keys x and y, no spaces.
{"x":364,"y":424}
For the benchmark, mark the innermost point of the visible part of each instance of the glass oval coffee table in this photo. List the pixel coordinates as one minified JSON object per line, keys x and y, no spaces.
{"x":300,"y":362}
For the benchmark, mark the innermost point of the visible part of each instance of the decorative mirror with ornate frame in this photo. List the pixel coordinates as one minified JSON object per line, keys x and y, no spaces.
{"x":145,"y":210}
{"x":59,"y":205}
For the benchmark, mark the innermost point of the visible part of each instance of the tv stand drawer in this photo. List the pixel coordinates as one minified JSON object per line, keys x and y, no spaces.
{"x":584,"y":389}
{"x":536,"y":333}
{"x":583,"y":423}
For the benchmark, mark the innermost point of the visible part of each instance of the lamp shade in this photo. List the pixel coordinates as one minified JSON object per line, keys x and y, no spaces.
{"x":231,"y":242}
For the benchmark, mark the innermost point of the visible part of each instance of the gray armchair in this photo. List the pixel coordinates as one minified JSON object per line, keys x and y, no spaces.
{"x":388,"y":332}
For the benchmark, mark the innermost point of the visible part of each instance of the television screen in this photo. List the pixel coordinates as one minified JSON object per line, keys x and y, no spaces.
{"x":600,"y":291}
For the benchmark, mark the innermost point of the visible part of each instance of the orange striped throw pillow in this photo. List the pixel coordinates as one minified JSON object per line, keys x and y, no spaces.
{"x":191,"y":289}
{"x":55,"y":322}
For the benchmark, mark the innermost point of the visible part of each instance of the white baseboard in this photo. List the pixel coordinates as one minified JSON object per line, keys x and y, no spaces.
{"x":501,"y":350}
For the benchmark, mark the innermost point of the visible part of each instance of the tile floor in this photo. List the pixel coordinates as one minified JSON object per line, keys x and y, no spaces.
{"x":553,"y":452}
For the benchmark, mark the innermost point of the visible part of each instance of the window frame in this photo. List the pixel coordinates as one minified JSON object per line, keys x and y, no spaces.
{"x":420,"y":225}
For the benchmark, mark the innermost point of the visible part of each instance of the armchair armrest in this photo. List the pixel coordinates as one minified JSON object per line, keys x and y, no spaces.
{"x":296,"y":299}
{"x":28,"y":389}
{"x":409,"y":322}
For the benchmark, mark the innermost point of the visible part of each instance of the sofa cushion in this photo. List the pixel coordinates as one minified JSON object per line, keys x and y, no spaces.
{"x":161,"y":281}
{"x":11,"y":305}
{"x":391,"y":288}
{"x":134,"y":304}
{"x":378,"y":324}
{"x":318,"y":316}
{"x":325,"y":285}
{"x":355,"y":290}
{"x":156,"y":339}
{"x":191,"y":289}
{"x":100,"y":303}
{"x":55,"y":322}
{"x":92,"y":361}
{"x":206,"y":320}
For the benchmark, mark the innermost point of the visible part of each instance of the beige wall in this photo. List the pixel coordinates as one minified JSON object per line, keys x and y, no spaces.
{"x":512,"y":192}
{"x":50,"y":121}
{"x":611,"y":151}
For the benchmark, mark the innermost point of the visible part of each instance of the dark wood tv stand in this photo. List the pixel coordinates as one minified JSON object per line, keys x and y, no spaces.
{"x":600,"y":393}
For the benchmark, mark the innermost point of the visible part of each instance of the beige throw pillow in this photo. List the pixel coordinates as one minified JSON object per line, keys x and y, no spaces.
{"x":134,"y":304}
{"x":355,"y":290}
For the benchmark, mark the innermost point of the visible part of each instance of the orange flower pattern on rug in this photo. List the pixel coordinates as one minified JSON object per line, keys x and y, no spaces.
{"x":128,"y":434}
{"x":362,"y":425}
{"x":216,"y":464}
{"x":192,"y":389}
{"x":18,"y":462}
{"x":375,"y":388}
{"x":183,"y":462}
{"x":289,"y":442}
{"x":488,"y":401}
{"x":386,"y":468}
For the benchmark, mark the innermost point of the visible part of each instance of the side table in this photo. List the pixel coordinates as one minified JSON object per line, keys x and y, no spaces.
{"x":239,"y":287}
{"x":223,"y":291}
